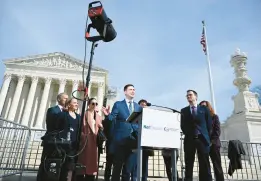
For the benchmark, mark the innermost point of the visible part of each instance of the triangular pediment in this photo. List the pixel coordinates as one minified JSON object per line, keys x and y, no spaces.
{"x":52,"y":60}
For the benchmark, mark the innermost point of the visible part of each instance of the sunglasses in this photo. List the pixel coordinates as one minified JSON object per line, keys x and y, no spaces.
{"x":94,"y":103}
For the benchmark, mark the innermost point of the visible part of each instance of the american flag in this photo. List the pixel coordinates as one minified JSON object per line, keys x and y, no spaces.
{"x":203,"y":41}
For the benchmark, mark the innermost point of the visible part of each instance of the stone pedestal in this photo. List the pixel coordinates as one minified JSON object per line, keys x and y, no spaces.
{"x":245,"y":122}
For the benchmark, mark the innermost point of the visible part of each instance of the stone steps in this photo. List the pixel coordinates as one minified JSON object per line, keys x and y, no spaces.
{"x":251,"y":166}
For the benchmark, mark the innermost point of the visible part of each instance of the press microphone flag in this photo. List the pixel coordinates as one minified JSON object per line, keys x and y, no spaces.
{"x":174,"y":110}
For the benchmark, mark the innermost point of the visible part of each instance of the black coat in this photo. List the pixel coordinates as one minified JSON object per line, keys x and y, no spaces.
{"x":51,"y":118}
{"x":235,"y":150}
{"x":106,"y":123}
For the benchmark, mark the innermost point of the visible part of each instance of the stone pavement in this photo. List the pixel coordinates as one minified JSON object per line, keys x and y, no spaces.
{"x":32,"y":177}
{"x":25,"y":177}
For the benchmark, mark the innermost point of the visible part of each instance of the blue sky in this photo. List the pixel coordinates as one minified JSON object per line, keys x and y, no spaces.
{"x":157,"y":47}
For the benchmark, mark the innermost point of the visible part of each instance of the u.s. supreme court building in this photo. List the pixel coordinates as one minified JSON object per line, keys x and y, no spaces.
{"x":31,"y":84}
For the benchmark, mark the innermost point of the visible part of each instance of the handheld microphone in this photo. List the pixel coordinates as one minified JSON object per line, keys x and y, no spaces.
{"x":148,"y":104}
{"x":174,"y":110}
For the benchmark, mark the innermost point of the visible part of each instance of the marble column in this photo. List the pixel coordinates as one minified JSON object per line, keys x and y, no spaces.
{"x":9,"y":99}
{"x":7,"y":80}
{"x":76,"y":94}
{"x":50,"y":99}
{"x":100,"y":94}
{"x":89,"y":93}
{"x":75,"y":87}
{"x":90,"y":89}
{"x":42,"y":107}
{"x":49,"y":104}
{"x":62,"y":83}
{"x":22,"y":102}
{"x":29,"y":102}
{"x":36,"y":104}
{"x":16,"y":98}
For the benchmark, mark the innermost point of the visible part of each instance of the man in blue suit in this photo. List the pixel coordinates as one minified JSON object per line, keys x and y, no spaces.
{"x":121,"y":131}
{"x":51,"y":125}
{"x":196,"y":125}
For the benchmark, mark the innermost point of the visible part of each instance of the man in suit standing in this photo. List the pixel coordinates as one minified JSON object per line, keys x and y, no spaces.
{"x":51,"y":125}
{"x":52,"y":112}
{"x":196,"y":124}
{"x":121,"y":134}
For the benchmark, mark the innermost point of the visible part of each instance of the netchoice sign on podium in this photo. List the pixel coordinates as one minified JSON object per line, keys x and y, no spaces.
{"x":160,"y":129}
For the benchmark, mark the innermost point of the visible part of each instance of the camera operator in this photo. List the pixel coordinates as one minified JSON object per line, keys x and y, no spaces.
{"x":51,"y":125}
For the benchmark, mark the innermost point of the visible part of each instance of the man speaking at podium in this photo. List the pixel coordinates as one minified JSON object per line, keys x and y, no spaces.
{"x":196,"y":124}
{"x":122,"y":135}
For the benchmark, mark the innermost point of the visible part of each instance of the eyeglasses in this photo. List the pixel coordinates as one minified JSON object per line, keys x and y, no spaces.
{"x":94,"y":103}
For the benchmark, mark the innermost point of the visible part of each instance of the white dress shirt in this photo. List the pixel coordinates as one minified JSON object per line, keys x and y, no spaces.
{"x":61,"y":107}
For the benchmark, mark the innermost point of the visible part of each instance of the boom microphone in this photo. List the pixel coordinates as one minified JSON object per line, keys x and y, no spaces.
{"x":148,"y":104}
{"x":174,"y":110}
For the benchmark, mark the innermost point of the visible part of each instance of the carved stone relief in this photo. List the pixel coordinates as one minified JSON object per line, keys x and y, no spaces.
{"x":54,"y":62}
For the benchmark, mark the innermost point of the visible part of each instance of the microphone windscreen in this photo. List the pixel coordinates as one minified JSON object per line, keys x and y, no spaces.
{"x":148,"y":104}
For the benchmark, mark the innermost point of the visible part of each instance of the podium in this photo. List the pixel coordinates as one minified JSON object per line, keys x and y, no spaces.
{"x":158,"y":129}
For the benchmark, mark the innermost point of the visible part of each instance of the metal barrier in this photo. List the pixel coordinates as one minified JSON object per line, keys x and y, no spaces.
{"x":251,"y":161}
{"x":251,"y":164}
{"x":34,"y":153}
{"x":14,"y":140}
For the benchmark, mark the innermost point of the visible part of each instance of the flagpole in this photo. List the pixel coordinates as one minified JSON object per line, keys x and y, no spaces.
{"x":209,"y":71}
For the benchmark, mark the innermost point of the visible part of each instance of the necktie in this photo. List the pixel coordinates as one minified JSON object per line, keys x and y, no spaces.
{"x":130,"y":107}
{"x":194,"y":111}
